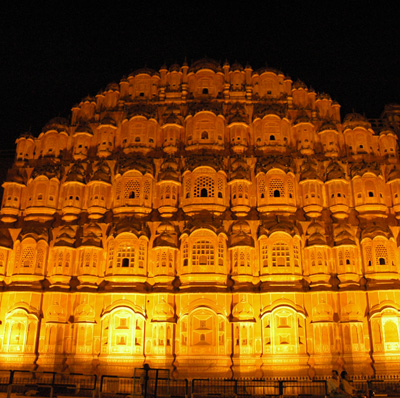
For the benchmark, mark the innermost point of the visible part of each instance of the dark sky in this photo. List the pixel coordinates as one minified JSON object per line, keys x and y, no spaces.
{"x":51,"y":58}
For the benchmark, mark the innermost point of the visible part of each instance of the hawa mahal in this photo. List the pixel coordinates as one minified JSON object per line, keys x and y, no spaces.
{"x":211,"y":219}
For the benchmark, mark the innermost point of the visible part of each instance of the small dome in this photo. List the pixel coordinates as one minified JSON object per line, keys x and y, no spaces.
{"x":243,"y":311}
{"x":343,"y":236}
{"x":112,"y":87}
{"x":92,"y":235}
{"x":240,"y":170}
{"x":76,"y":173}
{"x":241,"y":235}
{"x":205,"y":63}
{"x":316,"y":234}
{"x":163,"y":311}
{"x":299,"y":84}
{"x":353,"y":120}
{"x":394,"y":174}
{"x":167,"y":236}
{"x":169,"y":170}
{"x":5,"y":238}
{"x":58,"y":124}
{"x":174,"y":68}
{"x":328,"y":125}
{"x":66,"y":236}
{"x":309,"y":171}
{"x":335,"y":172}
{"x":374,"y":230}
{"x":102,"y":172}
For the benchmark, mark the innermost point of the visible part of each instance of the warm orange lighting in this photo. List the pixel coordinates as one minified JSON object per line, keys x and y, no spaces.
{"x":212,"y":220}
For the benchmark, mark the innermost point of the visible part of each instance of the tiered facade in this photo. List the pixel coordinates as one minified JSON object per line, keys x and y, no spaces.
{"x":210,"y":219}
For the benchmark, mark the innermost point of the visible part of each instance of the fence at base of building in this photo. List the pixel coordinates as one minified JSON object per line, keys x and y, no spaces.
{"x":153,"y":383}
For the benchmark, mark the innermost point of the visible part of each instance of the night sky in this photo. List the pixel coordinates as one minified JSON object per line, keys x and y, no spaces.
{"x":53,"y":57}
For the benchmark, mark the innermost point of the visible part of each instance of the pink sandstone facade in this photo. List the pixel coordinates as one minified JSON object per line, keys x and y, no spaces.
{"x":213,"y":220}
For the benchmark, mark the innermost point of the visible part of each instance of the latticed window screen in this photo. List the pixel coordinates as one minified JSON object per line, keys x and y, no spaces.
{"x":146,"y":189}
{"x":203,"y":253}
{"x":280,"y":255}
{"x":27,"y":256}
{"x":132,"y":189}
{"x":142,"y":254}
{"x":221,"y":253}
{"x":290,"y":188}
{"x":110,"y":254}
{"x":381,"y":255}
{"x":204,"y":187}
{"x":220,"y":184}
{"x":264,"y":255}
{"x":261,"y":187}
{"x":126,"y":255}
{"x":368,"y":255}
{"x":187,"y":188}
{"x":60,"y":259}
{"x":185,"y":254}
{"x":276,"y":188}
{"x":2,"y":260}
{"x":296,"y":255}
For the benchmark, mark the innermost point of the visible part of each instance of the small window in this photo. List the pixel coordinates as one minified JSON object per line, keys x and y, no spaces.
{"x":370,"y":194}
{"x":205,"y":90}
{"x":272,"y":138}
{"x":382,"y":261}
{"x":277,"y":193}
{"x":204,"y":193}
{"x":204,"y":135}
{"x":125,"y":262}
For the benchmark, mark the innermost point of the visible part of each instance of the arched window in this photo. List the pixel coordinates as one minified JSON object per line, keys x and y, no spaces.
{"x":280,"y":255}
{"x":203,"y":253}
{"x":204,"y":187}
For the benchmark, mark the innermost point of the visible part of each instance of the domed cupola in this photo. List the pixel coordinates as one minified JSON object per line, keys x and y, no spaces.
{"x":205,"y":127}
{"x":238,"y":128}
{"x":25,"y":149}
{"x":171,"y":130}
{"x":127,"y":253}
{"x":165,"y":251}
{"x":204,"y":254}
{"x":388,"y":145}
{"x":312,"y":189}
{"x":73,"y":191}
{"x":371,"y":194}
{"x":338,"y":190}
{"x":276,"y":185}
{"x":99,"y":190}
{"x":14,"y":187}
{"x":280,"y":254}
{"x":242,"y":251}
{"x":240,"y":186}
{"x":304,"y":134}
{"x":43,"y":192}
{"x":105,"y":136}
{"x":330,"y":139}
{"x":31,"y":251}
{"x":6,"y":246}
{"x":359,"y":137}
{"x":347,"y":256}
{"x":63,"y":257}
{"x":393,"y":181}
{"x":380,"y":256}
{"x":90,"y":256}
{"x":168,"y":185}
{"x":205,"y":79}
{"x":317,"y":256}
{"x":133,"y":187}
{"x":204,"y":185}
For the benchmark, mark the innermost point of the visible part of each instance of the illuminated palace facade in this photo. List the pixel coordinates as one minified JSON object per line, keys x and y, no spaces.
{"x":210,"y":219}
